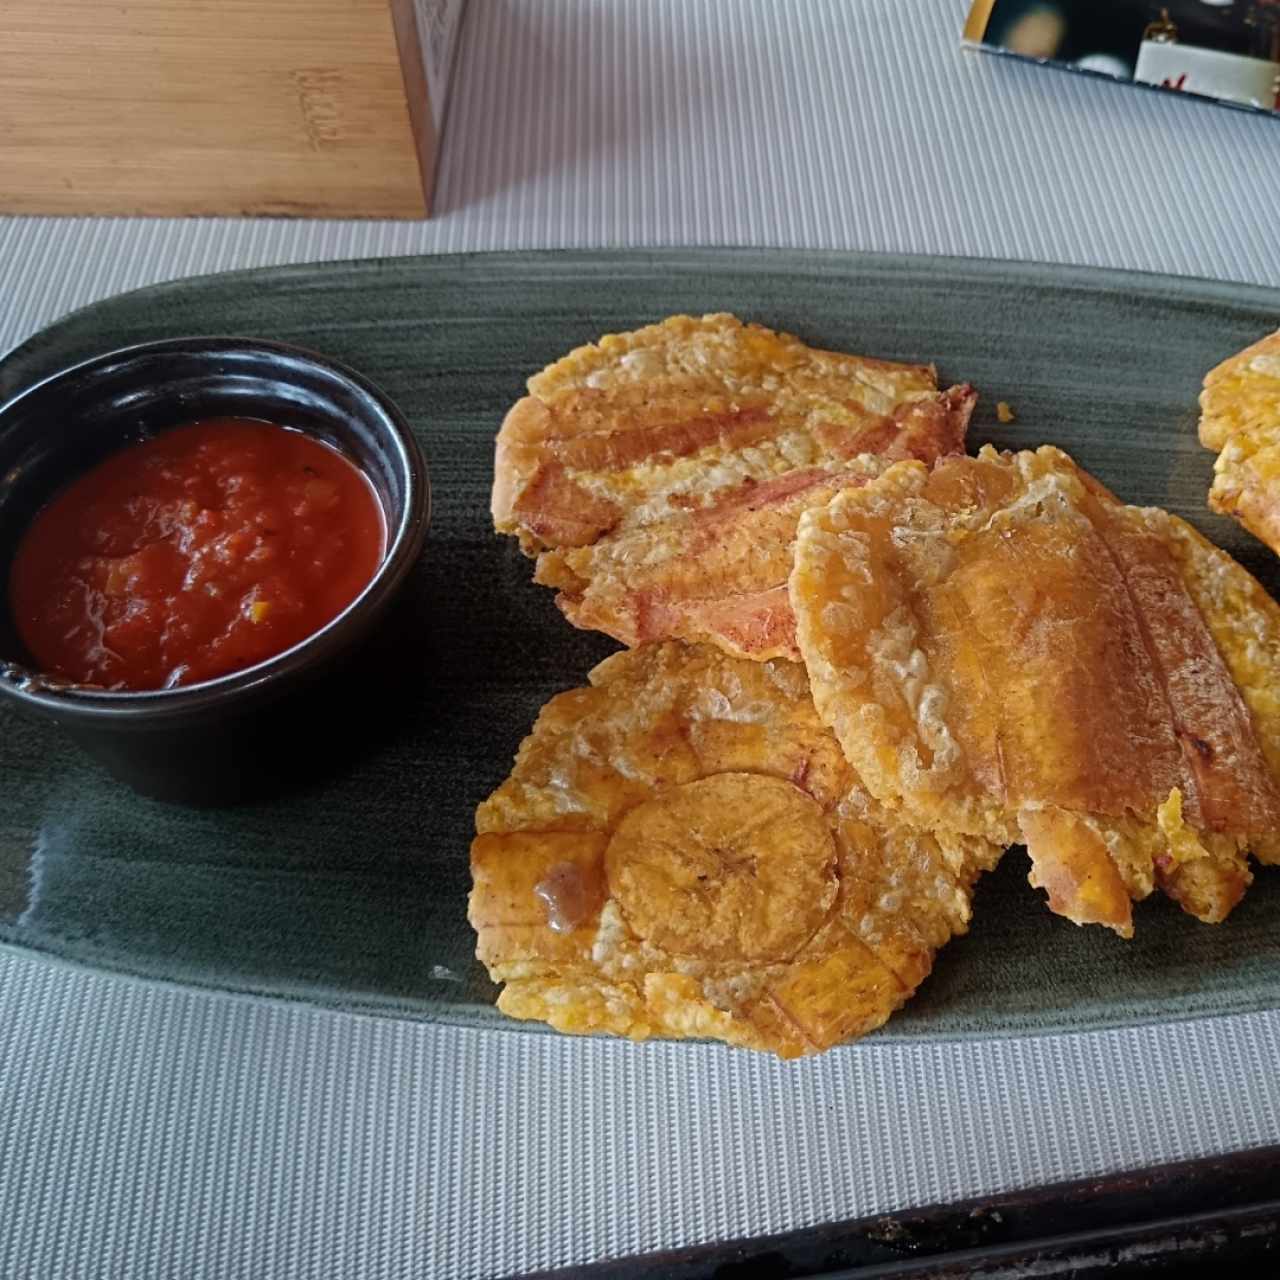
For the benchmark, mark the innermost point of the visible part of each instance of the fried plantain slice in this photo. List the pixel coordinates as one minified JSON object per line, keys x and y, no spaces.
{"x":683,"y":850}
{"x":1240,"y":420}
{"x":658,"y":475}
{"x":1005,"y":650}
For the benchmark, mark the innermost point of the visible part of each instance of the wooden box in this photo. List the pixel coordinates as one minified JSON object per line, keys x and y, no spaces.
{"x":300,"y":108}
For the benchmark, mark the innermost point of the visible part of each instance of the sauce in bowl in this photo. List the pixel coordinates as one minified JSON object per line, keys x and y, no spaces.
{"x":204,"y":550}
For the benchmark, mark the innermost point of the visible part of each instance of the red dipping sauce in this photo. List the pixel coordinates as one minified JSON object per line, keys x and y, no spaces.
{"x":202,"y":551}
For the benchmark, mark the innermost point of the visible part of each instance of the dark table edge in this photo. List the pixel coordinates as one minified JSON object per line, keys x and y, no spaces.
{"x":1204,"y":1212}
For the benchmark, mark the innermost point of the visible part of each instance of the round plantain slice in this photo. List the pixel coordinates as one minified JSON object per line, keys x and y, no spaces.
{"x":682,"y":850}
{"x":733,"y":866}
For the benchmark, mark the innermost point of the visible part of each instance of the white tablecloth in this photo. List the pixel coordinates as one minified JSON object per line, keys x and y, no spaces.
{"x":150,"y":1131}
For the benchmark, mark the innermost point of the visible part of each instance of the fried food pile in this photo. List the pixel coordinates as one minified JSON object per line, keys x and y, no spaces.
{"x":1240,"y":419}
{"x":658,"y":476}
{"x":683,"y":850}
{"x":862,"y":664}
{"x":1005,"y":650}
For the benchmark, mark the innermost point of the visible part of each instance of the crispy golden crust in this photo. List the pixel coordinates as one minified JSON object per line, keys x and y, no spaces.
{"x":1004,"y":650}
{"x":1245,"y":622}
{"x":1240,"y":419}
{"x":658,"y":475}
{"x":683,"y":850}
{"x":1241,"y":392}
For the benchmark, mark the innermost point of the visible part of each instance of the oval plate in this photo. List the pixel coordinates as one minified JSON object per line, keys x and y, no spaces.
{"x":351,"y":891}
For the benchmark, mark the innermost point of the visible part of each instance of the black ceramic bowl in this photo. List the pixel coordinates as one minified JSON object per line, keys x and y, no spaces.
{"x":224,"y":739}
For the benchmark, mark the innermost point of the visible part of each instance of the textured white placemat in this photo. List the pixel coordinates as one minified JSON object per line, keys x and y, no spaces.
{"x":148,"y":1131}
{"x":151,"y":1131}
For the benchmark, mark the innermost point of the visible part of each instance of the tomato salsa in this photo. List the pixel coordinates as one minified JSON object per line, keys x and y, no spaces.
{"x":196,"y":553}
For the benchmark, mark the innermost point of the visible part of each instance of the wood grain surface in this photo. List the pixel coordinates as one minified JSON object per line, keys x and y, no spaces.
{"x":172,"y":107}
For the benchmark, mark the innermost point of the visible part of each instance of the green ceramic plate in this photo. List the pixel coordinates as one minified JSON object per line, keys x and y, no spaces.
{"x":352,"y":892}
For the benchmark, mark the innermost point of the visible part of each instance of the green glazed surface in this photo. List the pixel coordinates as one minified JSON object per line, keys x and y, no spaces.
{"x":351,"y":892}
